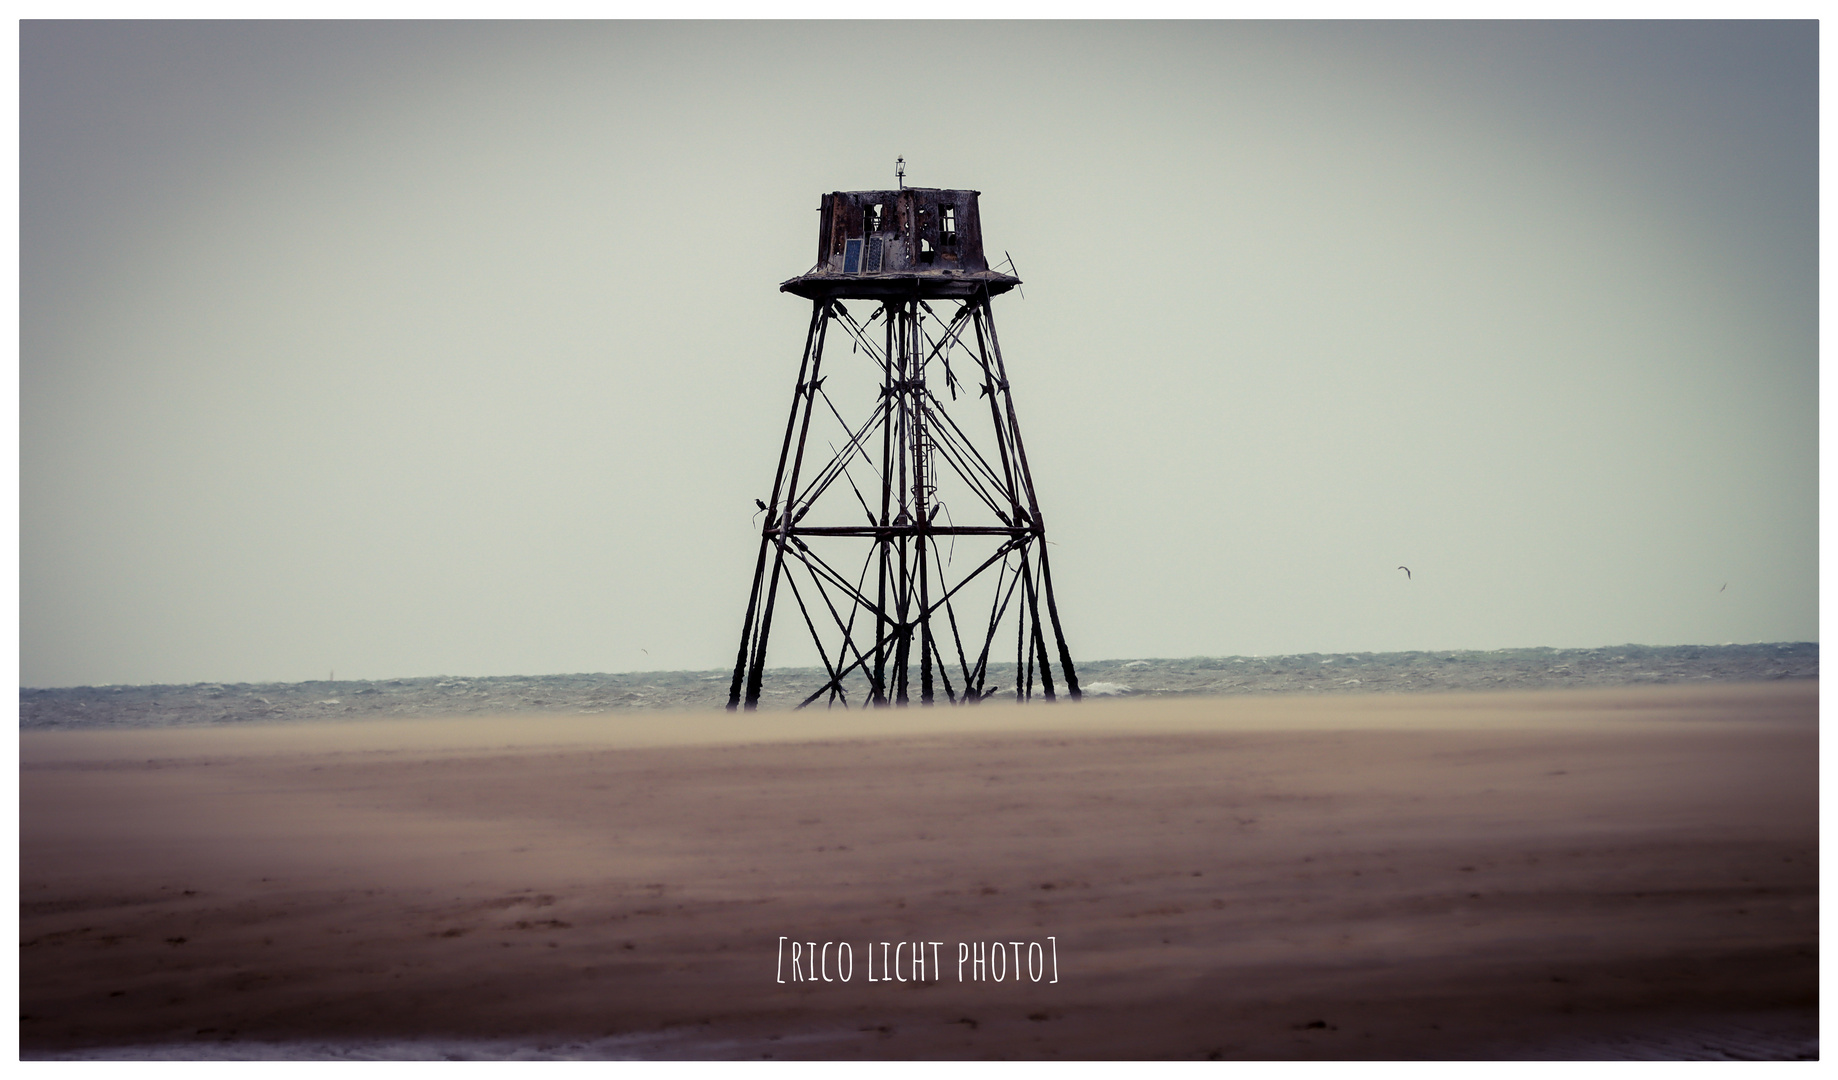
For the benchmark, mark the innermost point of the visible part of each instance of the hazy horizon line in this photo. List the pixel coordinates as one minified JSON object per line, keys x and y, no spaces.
{"x":994,"y":664}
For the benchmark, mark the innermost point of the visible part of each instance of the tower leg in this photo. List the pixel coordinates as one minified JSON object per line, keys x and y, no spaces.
{"x":921,"y":511}
{"x":746,"y":627}
{"x":778,"y":485}
{"x":882,"y":626}
{"x":806,"y":391}
{"x":902,"y":646}
{"x":1026,"y":479}
{"x":1059,"y":636}
{"x":1040,"y":645}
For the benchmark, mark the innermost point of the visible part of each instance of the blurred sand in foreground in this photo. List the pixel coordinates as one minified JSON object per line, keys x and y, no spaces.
{"x":1509,"y":874}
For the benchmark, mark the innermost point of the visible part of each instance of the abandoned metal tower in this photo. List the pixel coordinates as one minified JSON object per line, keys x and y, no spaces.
{"x":955,"y":561}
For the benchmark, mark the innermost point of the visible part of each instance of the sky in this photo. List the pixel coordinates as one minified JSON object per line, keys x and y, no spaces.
{"x":405,"y":349}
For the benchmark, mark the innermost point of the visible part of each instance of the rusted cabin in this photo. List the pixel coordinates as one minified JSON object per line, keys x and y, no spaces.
{"x":924,"y":242}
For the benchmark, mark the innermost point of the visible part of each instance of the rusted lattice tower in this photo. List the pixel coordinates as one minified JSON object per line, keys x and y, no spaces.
{"x":911,"y":537}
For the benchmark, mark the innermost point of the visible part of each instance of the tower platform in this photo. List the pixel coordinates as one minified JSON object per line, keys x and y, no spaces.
{"x":908,"y":243}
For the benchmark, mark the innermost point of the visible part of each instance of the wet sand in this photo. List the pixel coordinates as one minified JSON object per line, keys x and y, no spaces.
{"x":1550,"y":874}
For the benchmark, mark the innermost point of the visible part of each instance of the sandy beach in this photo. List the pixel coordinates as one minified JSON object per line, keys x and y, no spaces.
{"x":1560,"y":873}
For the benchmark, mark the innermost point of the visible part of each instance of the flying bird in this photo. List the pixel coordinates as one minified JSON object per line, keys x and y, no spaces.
{"x":1406,"y":570}
{"x":1725,"y":586}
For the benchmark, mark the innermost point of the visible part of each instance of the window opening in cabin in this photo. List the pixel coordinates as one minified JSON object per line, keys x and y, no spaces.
{"x":874,"y":218}
{"x":947,"y":226}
